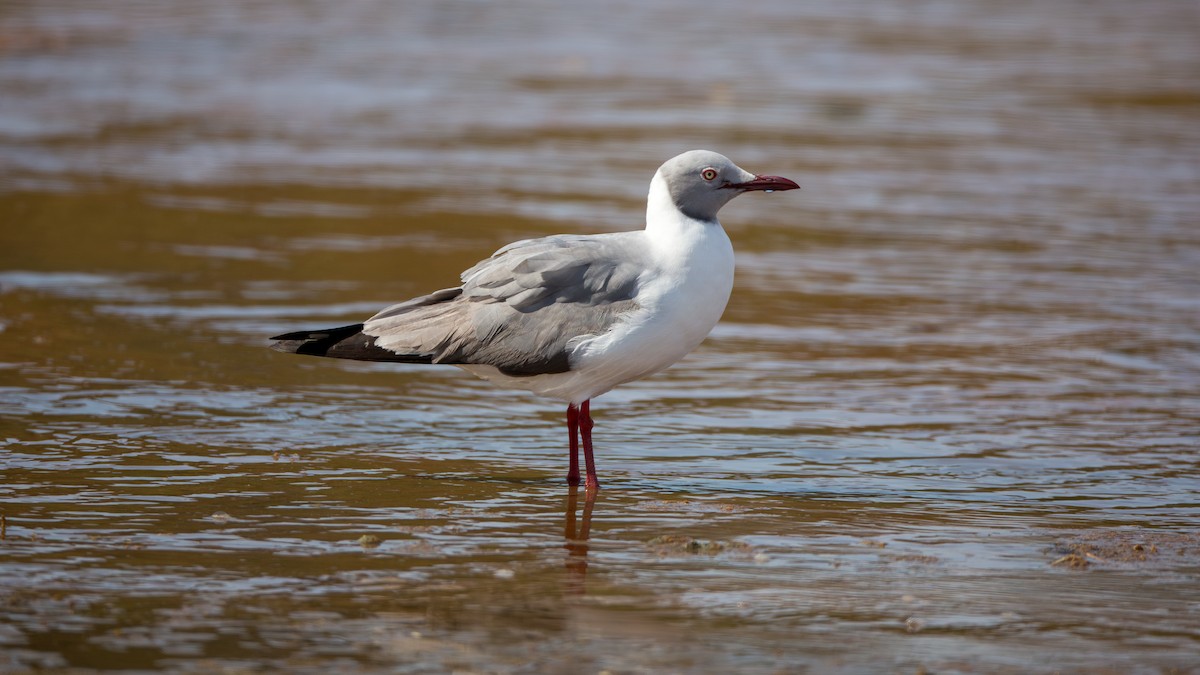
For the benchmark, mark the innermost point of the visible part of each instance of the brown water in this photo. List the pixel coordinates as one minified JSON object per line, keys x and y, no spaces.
{"x":949,"y":424}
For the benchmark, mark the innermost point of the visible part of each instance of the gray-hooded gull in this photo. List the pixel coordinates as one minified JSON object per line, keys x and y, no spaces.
{"x":572,"y":316}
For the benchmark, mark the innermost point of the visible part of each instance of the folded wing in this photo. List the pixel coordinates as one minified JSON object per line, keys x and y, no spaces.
{"x":522,"y":309}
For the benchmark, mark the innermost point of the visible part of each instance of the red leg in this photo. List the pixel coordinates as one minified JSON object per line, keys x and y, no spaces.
{"x":573,"y":432}
{"x":585,"y":427}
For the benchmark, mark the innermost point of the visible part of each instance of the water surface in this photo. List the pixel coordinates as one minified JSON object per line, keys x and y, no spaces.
{"x":950,"y":421}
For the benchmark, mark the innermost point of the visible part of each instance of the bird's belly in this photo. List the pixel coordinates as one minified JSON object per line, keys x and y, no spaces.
{"x":674,"y":321}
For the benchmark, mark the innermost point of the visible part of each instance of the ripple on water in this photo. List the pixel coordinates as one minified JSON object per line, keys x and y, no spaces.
{"x":956,"y":386}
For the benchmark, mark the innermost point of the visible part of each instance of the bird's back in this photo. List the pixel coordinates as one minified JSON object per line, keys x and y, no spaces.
{"x":519,"y":310}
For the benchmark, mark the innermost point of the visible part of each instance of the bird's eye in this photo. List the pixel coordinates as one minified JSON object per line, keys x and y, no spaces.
{"x":708,"y":174}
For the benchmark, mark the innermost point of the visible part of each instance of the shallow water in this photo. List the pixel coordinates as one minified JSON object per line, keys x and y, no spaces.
{"x":950,"y":421}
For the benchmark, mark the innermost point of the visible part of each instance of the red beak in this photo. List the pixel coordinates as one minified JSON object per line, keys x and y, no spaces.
{"x":767,"y":183}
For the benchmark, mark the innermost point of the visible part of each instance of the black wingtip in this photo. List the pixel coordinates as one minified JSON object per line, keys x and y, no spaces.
{"x":346,"y":342}
{"x":314,"y":342}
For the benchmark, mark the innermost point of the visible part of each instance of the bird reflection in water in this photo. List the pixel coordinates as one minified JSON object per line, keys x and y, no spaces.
{"x":576,"y":534}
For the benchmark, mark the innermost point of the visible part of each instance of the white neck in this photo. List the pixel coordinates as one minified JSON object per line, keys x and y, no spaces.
{"x":689,"y":251}
{"x":664,"y":221}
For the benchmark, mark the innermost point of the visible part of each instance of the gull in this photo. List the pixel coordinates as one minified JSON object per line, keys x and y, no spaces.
{"x":572,"y":316}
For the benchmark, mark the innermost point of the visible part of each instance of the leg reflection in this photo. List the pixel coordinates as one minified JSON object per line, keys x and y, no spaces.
{"x":576,"y":535}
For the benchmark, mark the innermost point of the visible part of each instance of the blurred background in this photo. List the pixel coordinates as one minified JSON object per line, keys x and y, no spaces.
{"x":949,"y":423}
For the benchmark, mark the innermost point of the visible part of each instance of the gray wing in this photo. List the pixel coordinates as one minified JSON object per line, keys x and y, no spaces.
{"x":519,"y":309}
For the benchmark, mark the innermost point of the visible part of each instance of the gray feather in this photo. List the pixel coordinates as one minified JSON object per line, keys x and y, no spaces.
{"x":519,"y":309}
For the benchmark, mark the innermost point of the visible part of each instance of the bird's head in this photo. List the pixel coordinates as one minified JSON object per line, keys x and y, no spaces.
{"x":700,"y":182}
